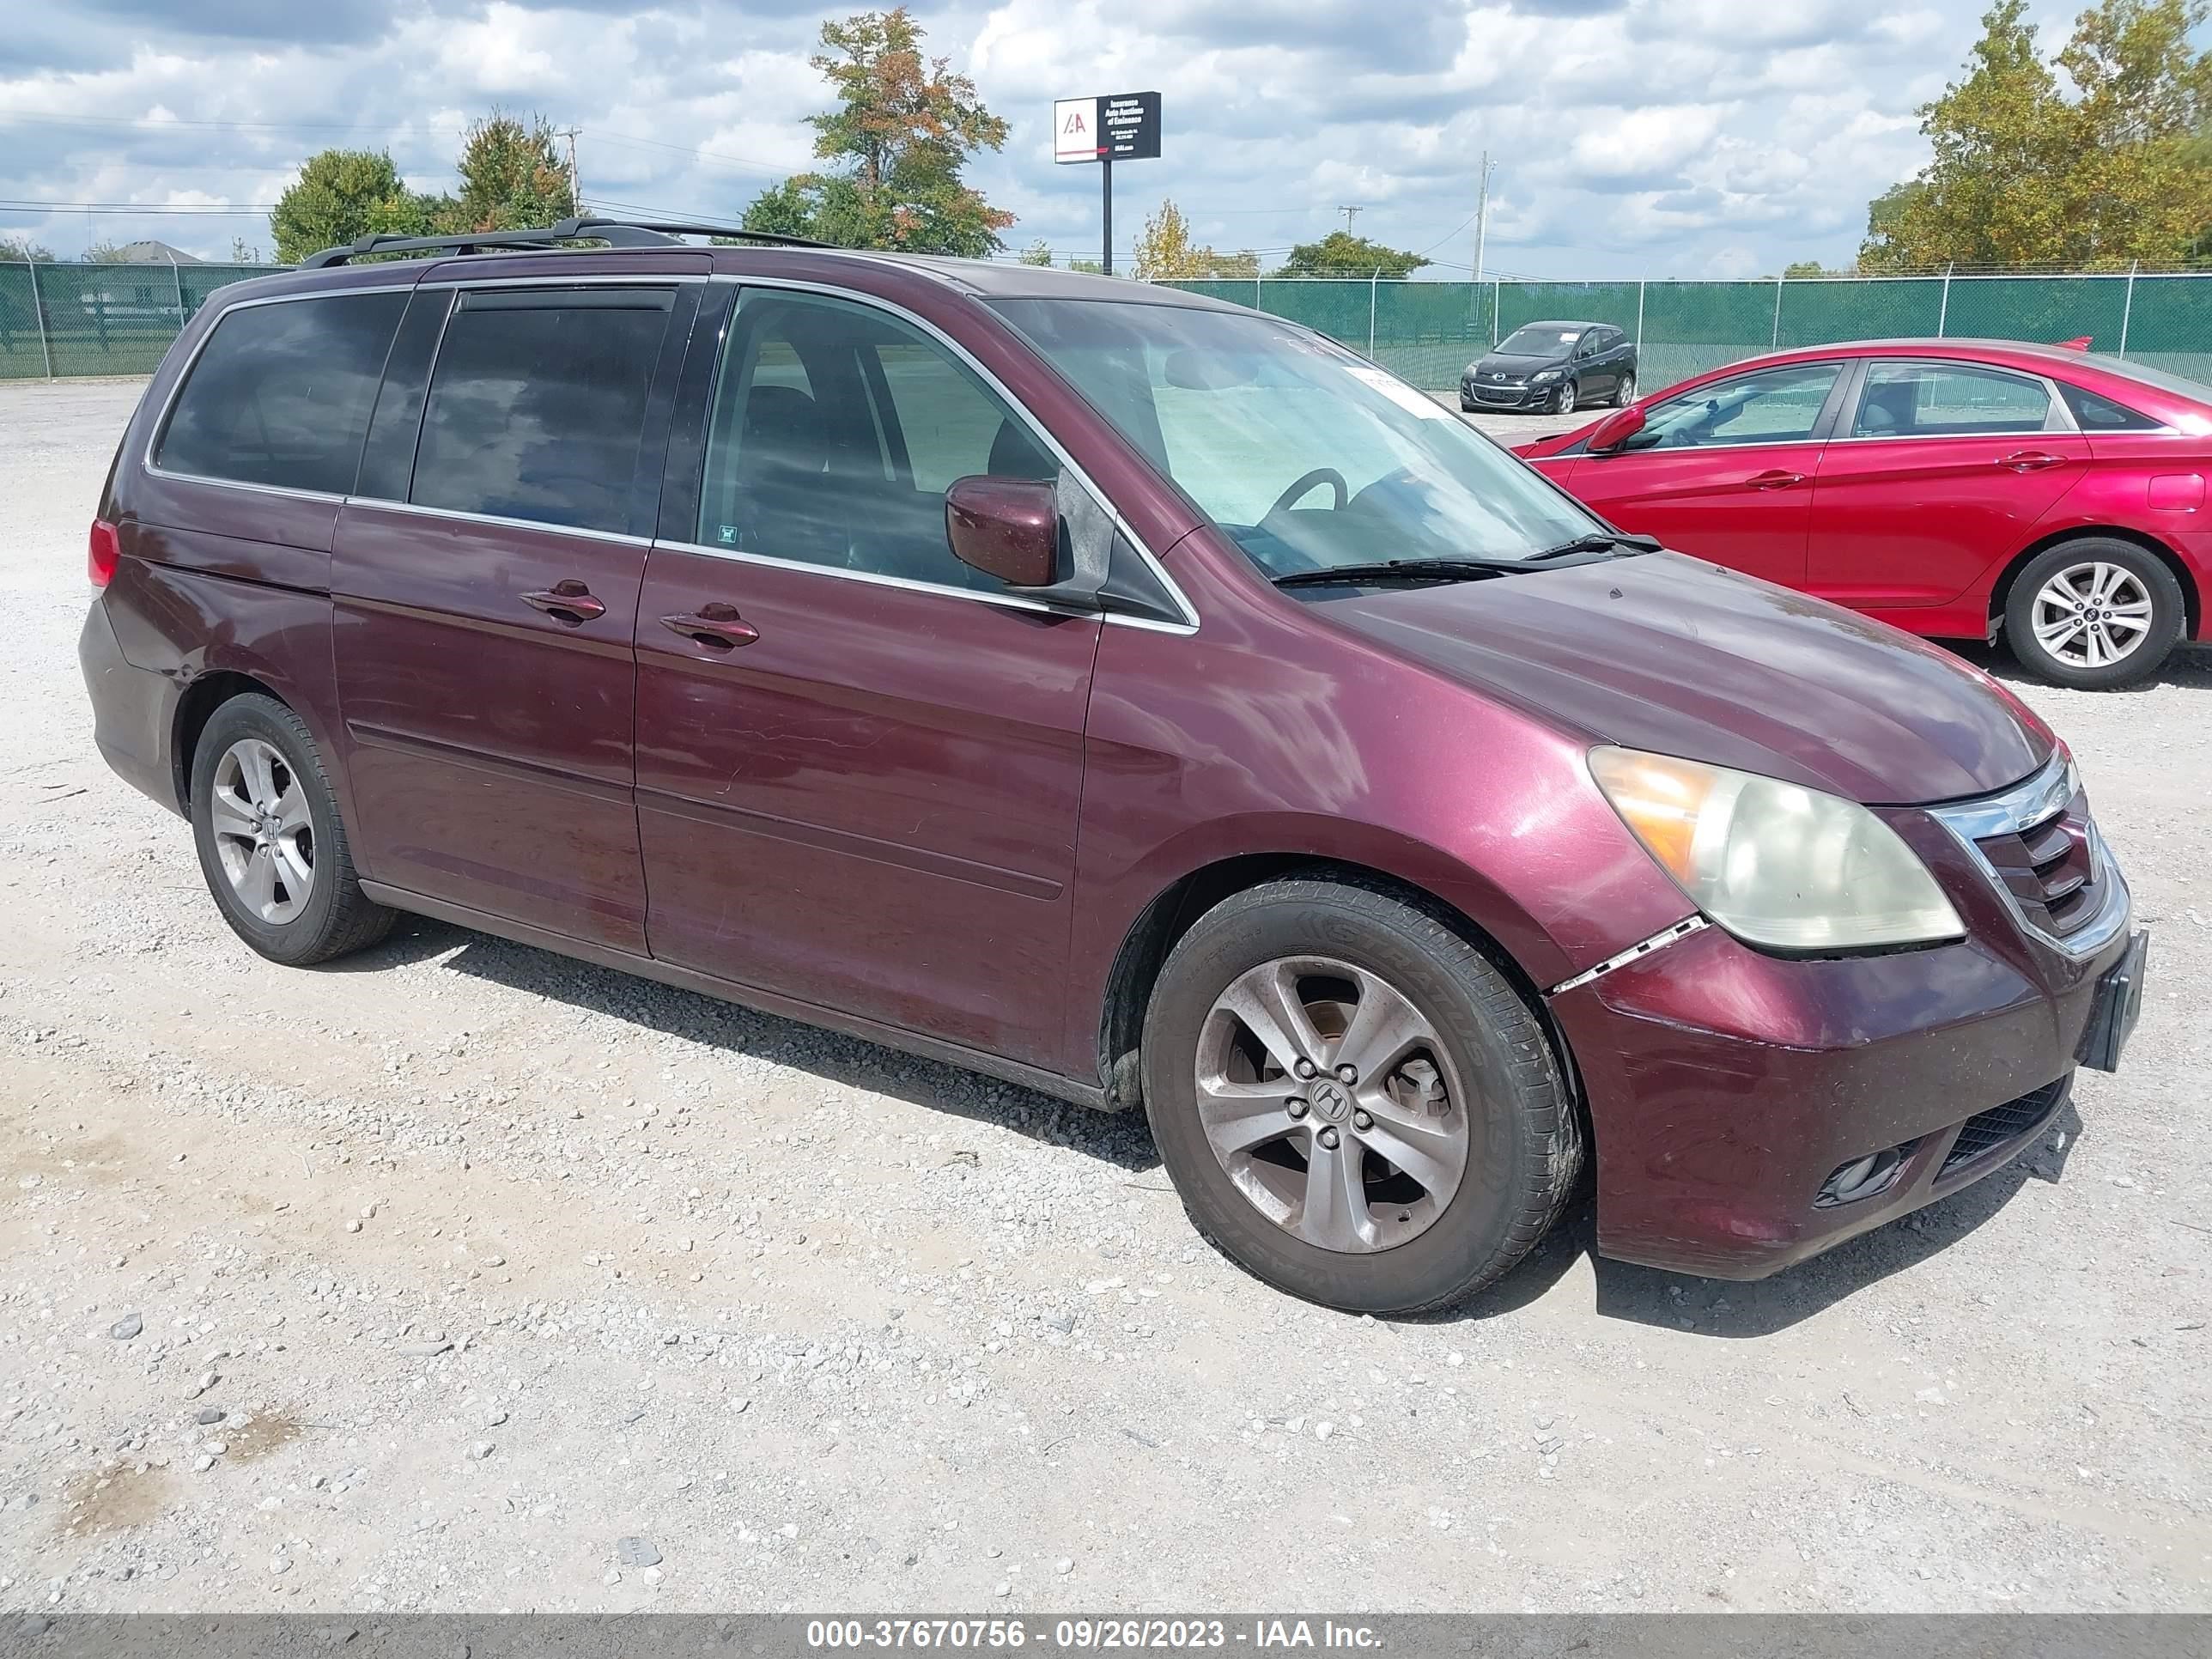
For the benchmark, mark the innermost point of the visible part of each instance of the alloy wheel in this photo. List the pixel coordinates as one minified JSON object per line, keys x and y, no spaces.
{"x":1626,"y":394}
{"x":2091,"y":615}
{"x":264,"y":835}
{"x":1331,"y":1104}
{"x":1563,"y":402}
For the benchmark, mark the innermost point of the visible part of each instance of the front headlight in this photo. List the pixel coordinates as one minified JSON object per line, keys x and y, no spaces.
{"x":1543,"y":374}
{"x":1775,"y":864}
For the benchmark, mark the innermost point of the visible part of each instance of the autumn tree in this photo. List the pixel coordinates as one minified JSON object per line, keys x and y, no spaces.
{"x":1340,"y":254}
{"x":513,"y":177}
{"x":2088,"y":159}
{"x":902,"y":127}
{"x":1165,"y":252}
{"x":340,"y":195}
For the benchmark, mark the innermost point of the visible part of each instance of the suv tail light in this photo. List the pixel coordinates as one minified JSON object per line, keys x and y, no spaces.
{"x":102,"y":550}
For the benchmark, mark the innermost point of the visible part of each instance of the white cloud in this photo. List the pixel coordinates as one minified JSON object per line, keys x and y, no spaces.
{"x":1658,"y":136}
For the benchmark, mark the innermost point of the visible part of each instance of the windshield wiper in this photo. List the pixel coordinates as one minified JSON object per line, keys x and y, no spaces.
{"x":1401,"y":570}
{"x":1614,"y":542}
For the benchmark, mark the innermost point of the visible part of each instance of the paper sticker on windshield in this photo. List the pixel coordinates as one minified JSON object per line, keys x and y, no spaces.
{"x":1569,"y":339}
{"x":1401,"y":394}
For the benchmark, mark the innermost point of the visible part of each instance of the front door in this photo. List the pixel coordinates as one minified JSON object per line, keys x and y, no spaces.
{"x":1943,"y":469}
{"x":859,"y":761}
{"x":1724,"y":471}
{"x":485,"y":610}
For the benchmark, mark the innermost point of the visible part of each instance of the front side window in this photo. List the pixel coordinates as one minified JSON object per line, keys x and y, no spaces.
{"x":1947,"y":400}
{"x":536,"y":405}
{"x":1307,"y":457}
{"x":836,"y":428}
{"x":281,"y":393}
{"x":1776,"y":406}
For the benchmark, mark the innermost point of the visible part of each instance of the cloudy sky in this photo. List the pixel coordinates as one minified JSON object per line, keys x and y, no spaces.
{"x":1681,"y":137}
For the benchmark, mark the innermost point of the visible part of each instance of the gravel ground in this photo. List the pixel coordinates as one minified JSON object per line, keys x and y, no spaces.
{"x":462,"y":1277}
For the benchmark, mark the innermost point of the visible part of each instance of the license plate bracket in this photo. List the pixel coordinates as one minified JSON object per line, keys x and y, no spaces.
{"x":2118,"y":1005}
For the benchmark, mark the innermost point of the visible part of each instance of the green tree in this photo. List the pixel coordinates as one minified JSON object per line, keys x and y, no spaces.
{"x":1166,"y":254}
{"x":902,"y":127}
{"x":340,"y":195}
{"x":1798,"y":268}
{"x":1038,"y":252}
{"x":106,"y":253}
{"x":1088,"y":267}
{"x":1340,"y":254}
{"x":513,"y":177}
{"x":23,"y":251}
{"x":2100,"y":169}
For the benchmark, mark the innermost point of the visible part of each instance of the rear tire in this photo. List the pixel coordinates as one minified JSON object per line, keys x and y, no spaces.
{"x":272,"y":847}
{"x":2094,"y":613}
{"x":1454,"y":1052}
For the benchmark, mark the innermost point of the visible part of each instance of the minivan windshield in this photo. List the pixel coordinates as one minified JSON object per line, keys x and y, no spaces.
{"x":1309,"y":458}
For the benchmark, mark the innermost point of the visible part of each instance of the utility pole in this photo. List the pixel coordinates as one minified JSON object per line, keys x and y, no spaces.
{"x":1106,"y":204}
{"x":575,"y":182}
{"x":1350,"y":213}
{"x":1481,"y":213}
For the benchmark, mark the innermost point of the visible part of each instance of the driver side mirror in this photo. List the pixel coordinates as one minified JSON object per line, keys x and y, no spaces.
{"x":1615,"y":430}
{"x":1005,"y":527}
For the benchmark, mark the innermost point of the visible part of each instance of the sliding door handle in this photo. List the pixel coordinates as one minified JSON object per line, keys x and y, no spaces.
{"x":569,"y":602}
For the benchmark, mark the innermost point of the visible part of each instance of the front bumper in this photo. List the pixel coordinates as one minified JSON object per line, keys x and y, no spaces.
{"x":1491,"y":396}
{"x":1727,"y":1087}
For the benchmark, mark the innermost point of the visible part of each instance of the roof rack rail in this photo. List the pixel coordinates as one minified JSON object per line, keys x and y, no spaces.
{"x":590,"y":228}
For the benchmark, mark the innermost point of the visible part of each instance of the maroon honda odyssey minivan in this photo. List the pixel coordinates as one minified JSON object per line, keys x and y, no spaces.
{"x":1125,"y":694}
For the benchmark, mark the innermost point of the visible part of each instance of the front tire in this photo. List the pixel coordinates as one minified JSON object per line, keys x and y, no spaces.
{"x":272,"y":847}
{"x":2094,"y":614}
{"x":1565,"y":399}
{"x":1354,"y":1103}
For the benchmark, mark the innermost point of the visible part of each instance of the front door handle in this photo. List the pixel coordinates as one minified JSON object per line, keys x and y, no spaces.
{"x":569,"y":602}
{"x":716,"y":626}
{"x":2030,"y":460}
{"x":1774,"y":479}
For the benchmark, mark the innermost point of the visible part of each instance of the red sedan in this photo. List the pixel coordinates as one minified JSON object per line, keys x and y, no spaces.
{"x":1957,"y":488}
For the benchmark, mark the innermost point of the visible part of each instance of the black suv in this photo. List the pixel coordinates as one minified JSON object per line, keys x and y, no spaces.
{"x":1552,"y":368}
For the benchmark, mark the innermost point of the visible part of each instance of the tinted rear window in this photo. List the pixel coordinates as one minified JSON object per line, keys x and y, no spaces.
{"x":281,"y":393}
{"x":2094,"y":414}
{"x":537,"y":406}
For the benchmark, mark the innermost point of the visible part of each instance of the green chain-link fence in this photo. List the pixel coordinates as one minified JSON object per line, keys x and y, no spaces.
{"x":58,"y":319}
{"x":1429,"y":331}
{"x":64,"y":320}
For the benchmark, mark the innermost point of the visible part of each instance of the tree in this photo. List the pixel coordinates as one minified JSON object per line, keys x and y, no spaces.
{"x":23,"y":251}
{"x":1088,"y":267}
{"x":340,"y":195}
{"x":513,"y":177}
{"x":1038,"y":252}
{"x":1798,"y":268}
{"x":243,"y":253}
{"x":902,"y":129}
{"x":1164,"y":253}
{"x":106,"y":253}
{"x":2099,"y":170}
{"x":1340,"y":254}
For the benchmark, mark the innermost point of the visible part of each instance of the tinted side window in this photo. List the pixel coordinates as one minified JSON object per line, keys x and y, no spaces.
{"x":536,"y":405}
{"x":836,"y":428}
{"x":281,"y":393}
{"x":1947,"y":400}
{"x":1777,"y":406}
{"x":2093,"y":413}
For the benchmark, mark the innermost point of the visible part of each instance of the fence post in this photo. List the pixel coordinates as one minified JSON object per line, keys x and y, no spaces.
{"x":177,"y":277}
{"x":1774,"y":339}
{"x":1943,"y":311}
{"x":38,"y":311}
{"x":1497,"y":298}
{"x":2127,"y":308}
{"x":1639,"y":315}
{"x":1374,"y":277}
{"x":1256,"y":305}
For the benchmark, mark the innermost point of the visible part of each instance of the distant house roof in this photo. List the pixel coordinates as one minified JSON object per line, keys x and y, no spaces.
{"x":153,"y":254}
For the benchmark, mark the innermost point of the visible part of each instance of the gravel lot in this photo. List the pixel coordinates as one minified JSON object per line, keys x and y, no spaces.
{"x":462,"y":1277}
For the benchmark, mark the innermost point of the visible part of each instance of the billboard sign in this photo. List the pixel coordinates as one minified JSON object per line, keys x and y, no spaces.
{"x":1122,"y":126}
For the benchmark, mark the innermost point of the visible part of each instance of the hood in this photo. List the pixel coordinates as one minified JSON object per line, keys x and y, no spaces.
{"x":1677,"y":656}
{"x":1515,"y":365}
